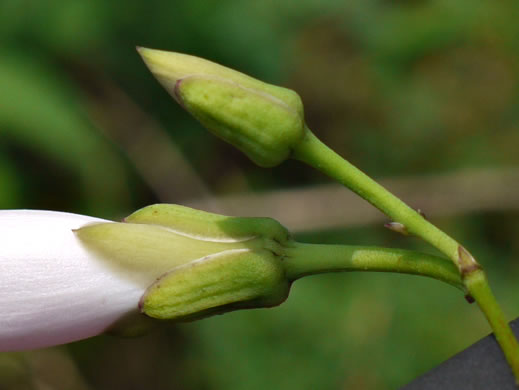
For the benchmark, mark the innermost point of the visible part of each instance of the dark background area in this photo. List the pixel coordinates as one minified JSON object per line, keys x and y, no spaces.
{"x":421,"y":94}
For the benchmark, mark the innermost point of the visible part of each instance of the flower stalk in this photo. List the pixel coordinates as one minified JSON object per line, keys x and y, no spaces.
{"x":310,"y":259}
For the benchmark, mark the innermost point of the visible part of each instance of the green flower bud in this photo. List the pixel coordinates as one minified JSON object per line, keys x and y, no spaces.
{"x":264,"y":121}
{"x":193,"y":264}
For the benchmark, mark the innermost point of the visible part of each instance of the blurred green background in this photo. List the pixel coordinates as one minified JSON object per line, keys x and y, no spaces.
{"x":423,"y":94}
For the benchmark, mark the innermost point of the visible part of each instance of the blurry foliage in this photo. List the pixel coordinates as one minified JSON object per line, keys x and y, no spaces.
{"x":398,"y":87}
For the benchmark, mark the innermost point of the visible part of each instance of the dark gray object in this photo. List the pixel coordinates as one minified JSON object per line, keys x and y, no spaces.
{"x":480,"y":366}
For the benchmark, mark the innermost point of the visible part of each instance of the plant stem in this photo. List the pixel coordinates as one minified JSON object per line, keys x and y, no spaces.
{"x":479,"y":289}
{"x":312,"y":151}
{"x":309,"y":259}
{"x":315,"y":153}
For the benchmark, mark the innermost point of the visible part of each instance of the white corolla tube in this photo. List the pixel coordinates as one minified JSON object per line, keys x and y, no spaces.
{"x":52,"y":289}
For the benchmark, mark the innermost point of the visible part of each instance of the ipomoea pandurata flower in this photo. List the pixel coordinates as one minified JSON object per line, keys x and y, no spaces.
{"x":65,"y":277}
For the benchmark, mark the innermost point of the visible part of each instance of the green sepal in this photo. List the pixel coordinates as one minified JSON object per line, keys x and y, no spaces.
{"x":217,"y":284}
{"x":143,"y":252}
{"x":209,"y":226}
{"x":170,"y":67}
{"x":193,"y":263}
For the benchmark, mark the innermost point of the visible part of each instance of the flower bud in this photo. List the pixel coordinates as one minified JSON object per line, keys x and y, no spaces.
{"x":191,"y":263}
{"x":264,"y":121}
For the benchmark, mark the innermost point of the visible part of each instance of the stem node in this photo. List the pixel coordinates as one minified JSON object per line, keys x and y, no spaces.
{"x":467,"y":264}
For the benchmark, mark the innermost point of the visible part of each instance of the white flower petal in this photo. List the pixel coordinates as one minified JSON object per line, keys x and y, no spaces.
{"x":52,"y":290}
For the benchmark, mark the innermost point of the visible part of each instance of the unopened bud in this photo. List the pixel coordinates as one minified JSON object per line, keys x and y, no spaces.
{"x":264,"y":121}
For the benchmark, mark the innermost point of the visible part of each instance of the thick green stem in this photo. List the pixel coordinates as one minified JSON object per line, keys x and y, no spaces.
{"x":312,"y":151}
{"x":309,"y":259}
